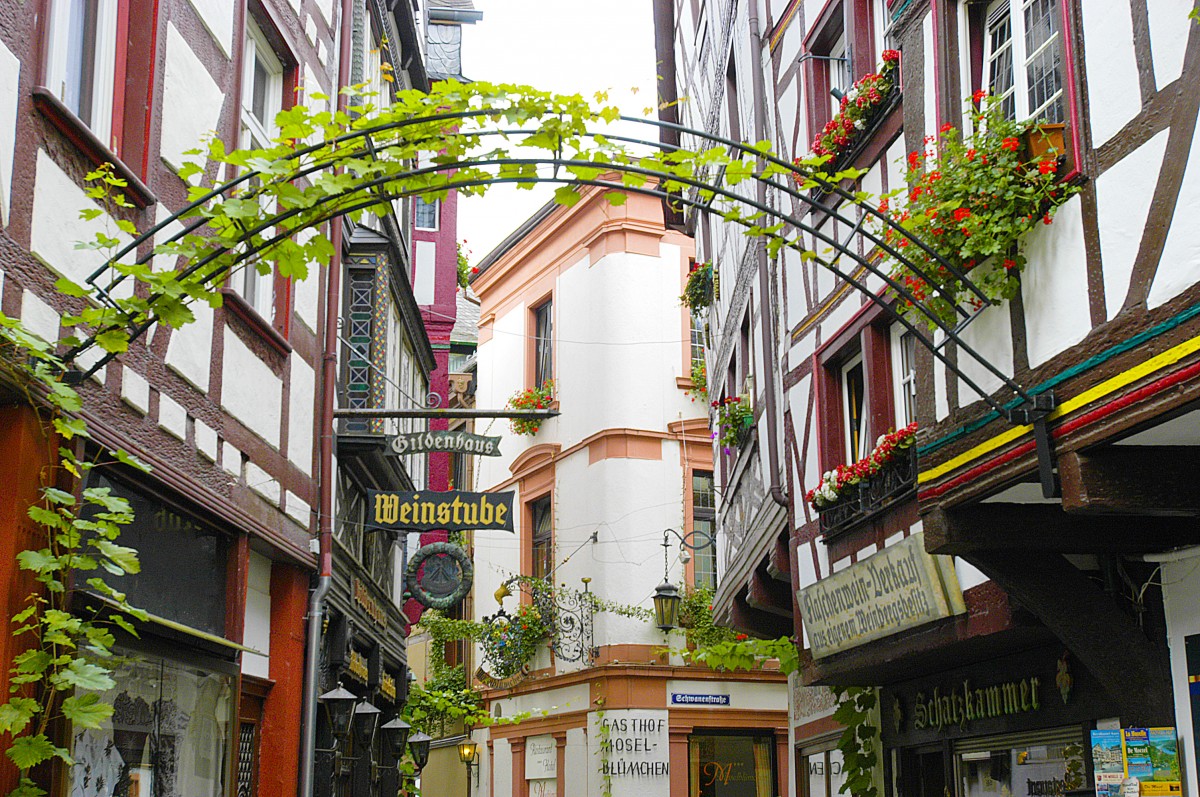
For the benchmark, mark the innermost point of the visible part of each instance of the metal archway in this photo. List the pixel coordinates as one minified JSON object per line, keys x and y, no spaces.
{"x":697,"y":191}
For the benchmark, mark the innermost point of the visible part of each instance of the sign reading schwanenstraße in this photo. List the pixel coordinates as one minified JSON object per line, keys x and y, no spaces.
{"x":452,"y":510}
{"x":897,"y":588}
{"x":452,"y":442}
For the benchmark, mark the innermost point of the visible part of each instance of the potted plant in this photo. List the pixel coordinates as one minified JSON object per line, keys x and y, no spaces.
{"x":734,"y":417}
{"x":534,"y":398}
{"x":699,"y":388}
{"x":698,"y":290}
{"x":971,"y":200}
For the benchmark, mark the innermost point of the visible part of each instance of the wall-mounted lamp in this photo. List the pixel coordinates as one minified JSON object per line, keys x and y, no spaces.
{"x":395,"y":740}
{"x":468,"y":752}
{"x":418,"y":748}
{"x":837,"y":93}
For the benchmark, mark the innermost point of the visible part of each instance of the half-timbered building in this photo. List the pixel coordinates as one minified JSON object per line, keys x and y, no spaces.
{"x":1043,"y":530}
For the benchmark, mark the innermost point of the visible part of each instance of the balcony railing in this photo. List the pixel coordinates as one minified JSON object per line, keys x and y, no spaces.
{"x":857,"y":503}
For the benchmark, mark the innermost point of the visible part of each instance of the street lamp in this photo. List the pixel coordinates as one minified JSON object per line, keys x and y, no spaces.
{"x":666,"y":606}
{"x":339,"y":706}
{"x":418,"y":747}
{"x":395,"y":737}
{"x":468,"y":751}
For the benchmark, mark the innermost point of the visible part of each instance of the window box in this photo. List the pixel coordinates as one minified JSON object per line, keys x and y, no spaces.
{"x":859,"y":502}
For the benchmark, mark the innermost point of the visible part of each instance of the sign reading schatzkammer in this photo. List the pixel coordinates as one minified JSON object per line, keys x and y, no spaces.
{"x":452,"y":510}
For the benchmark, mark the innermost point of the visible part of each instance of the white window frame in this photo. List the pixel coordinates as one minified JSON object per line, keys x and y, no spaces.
{"x":902,"y":381}
{"x":839,"y":73}
{"x":864,"y":442}
{"x":258,"y":289}
{"x":59,"y":57}
{"x":437,"y":213}
{"x":1015,"y":10}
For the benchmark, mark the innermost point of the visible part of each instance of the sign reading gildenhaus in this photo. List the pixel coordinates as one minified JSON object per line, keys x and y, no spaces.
{"x":452,"y":510}
{"x":895,"y":589}
{"x":451,"y":442}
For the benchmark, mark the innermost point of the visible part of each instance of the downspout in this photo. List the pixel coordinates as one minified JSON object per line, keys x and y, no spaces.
{"x":769,"y":320}
{"x":316,"y":602}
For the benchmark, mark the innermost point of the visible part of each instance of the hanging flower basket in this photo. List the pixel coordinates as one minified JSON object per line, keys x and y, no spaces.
{"x":510,"y":641}
{"x":698,"y":290}
{"x":734,"y":419}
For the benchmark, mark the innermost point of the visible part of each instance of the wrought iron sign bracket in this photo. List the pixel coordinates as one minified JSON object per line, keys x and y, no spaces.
{"x":1036,"y":414}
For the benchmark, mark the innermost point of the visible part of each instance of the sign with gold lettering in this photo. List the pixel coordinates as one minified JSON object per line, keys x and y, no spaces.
{"x":897,"y":588}
{"x":363,"y":597}
{"x":387,"y":687}
{"x":356,"y":665}
{"x":453,"y":510}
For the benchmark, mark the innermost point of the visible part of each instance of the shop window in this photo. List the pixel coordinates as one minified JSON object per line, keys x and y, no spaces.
{"x":542,"y":536}
{"x":543,"y":343}
{"x":425,"y":213}
{"x":821,"y":766}
{"x":183,"y":561}
{"x":1023,"y":58}
{"x":170,"y":733}
{"x":704,"y":506}
{"x":731,"y":765}
{"x":1035,"y":765}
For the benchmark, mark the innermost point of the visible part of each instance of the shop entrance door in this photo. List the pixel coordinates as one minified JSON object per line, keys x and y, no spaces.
{"x":923,"y":773}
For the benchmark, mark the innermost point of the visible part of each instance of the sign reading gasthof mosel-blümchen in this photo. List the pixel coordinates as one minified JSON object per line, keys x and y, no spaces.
{"x":453,"y":510}
{"x":450,"y":442}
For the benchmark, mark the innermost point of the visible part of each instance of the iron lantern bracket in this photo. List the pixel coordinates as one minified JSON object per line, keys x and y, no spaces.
{"x":1035,"y":413}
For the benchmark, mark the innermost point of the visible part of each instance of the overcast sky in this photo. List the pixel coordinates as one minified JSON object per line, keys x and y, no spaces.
{"x":564,"y":46}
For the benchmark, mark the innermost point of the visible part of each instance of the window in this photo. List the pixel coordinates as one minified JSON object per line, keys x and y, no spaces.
{"x":704,"y":513}
{"x":262,"y":100}
{"x":725,"y":765}
{"x":697,"y":354}
{"x":542,"y":522}
{"x":839,"y":75}
{"x":358,"y":332}
{"x":904,"y":374}
{"x":543,"y":343}
{"x":425,"y":213}
{"x":1023,"y":58}
{"x":822,"y":765}
{"x":854,"y":409}
{"x":81,"y":61}
{"x":1022,"y":764}
{"x":731,"y":100}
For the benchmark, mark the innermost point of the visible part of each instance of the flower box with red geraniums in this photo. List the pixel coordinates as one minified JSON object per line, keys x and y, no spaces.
{"x":534,"y":398}
{"x":858,"y":108}
{"x":971,"y":201}
{"x":844,"y":483}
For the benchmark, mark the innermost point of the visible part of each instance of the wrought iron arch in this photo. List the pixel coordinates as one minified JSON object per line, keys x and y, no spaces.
{"x":682,"y":188}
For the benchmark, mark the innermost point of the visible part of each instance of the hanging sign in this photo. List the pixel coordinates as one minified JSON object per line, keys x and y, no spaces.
{"x":452,"y":510}
{"x":450,"y":442}
{"x":897,"y":588}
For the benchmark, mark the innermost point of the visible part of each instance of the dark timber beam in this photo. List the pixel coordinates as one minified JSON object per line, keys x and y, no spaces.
{"x":1131,"y":480}
{"x":766,"y":594}
{"x":741,"y":616}
{"x":780,"y":564}
{"x":1045,"y":528}
{"x":1089,"y":622}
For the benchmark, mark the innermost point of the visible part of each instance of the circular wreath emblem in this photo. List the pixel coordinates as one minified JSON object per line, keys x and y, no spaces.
{"x":445,"y":579}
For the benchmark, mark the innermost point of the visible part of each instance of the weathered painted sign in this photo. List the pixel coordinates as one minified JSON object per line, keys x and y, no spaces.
{"x":897,"y":588}
{"x":452,"y":510}
{"x":450,"y":442}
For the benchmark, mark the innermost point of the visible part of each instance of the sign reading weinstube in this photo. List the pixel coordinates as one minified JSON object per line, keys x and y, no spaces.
{"x":452,"y":510}
{"x":449,"y":442}
{"x":897,"y":588}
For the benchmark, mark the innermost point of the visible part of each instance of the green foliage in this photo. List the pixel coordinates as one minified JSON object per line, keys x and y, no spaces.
{"x":464,"y":264}
{"x":733,"y":416}
{"x":699,"y":388}
{"x":972,"y":201}
{"x":859,"y":741}
{"x":698,"y":290}
{"x":534,"y":398}
{"x":509,"y":645}
{"x":696,"y":618}
{"x":743,"y":653}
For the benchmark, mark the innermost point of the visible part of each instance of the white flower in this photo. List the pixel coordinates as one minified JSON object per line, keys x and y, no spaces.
{"x":828,"y":493}
{"x":859,"y":124}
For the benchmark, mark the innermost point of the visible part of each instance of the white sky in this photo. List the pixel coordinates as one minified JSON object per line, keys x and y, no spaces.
{"x":564,"y":46}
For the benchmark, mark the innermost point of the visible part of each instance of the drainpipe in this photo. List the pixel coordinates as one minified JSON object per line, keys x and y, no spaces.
{"x":316,"y":603}
{"x":770,"y":359}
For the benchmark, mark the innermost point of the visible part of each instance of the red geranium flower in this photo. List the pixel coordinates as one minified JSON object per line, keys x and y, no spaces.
{"x":979,"y":95}
{"x":1047,"y":167}
{"x":961,"y":213}
{"x":890,"y":56}
{"x":1011,"y":144}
